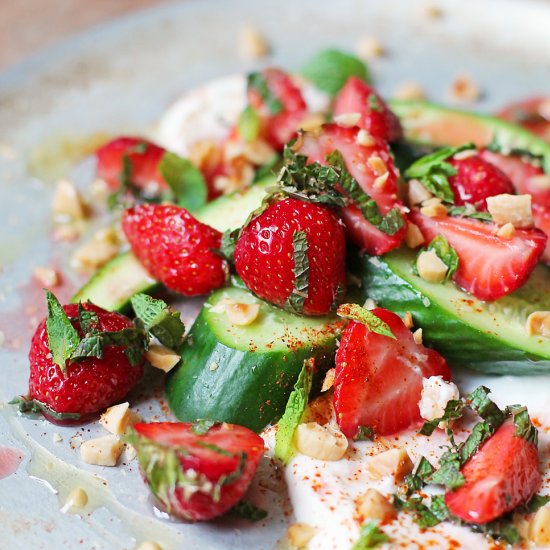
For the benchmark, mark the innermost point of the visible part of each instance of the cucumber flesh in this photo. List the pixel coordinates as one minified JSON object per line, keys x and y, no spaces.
{"x":432,"y":124}
{"x":490,"y":337}
{"x":117,"y":281}
{"x":244,"y":374}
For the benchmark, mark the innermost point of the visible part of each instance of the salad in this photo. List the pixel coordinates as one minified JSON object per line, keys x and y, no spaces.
{"x":354,"y":255}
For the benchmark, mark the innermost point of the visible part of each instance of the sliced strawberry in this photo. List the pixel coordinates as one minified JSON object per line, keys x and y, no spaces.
{"x":541,"y":215}
{"x":280,"y":105}
{"x":489,"y":266}
{"x":476,"y":179}
{"x":212,"y":469}
{"x":501,"y":475}
{"x":265,"y":255}
{"x":525,"y":177}
{"x":175,"y":248}
{"x":143,"y":158}
{"x":376,"y":117}
{"x":533,"y":114}
{"x":366,"y":164}
{"x":378,"y":380}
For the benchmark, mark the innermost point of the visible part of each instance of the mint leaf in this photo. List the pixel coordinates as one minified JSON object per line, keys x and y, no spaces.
{"x":364,"y":433}
{"x":158,"y":319}
{"x":469,"y":211}
{"x":480,"y":403}
{"x":185,"y":180}
{"x":258,"y":82}
{"x":453,"y":410}
{"x":480,"y":432}
{"x":448,"y":474}
{"x":357,"y":313}
{"x":228,"y":243}
{"x":538,"y":501}
{"x":330,"y":69}
{"x":202,"y":426}
{"x":63,"y":338}
{"x":433,"y":172}
{"x":295,"y":408}
{"x":248,"y":125}
{"x":419,"y":477}
{"x":89,"y":321}
{"x":423,"y":516}
{"x":371,"y":536}
{"x":26,"y":405}
{"x":446,"y":253}
{"x":249,"y":511}
{"x":298,"y":296}
{"x":523,"y":425}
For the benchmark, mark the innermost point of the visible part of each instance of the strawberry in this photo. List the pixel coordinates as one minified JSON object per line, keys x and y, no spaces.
{"x":90,"y":384}
{"x":378,"y":379}
{"x":175,"y":247}
{"x":533,"y":114}
{"x":476,"y":179}
{"x":376,"y":117}
{"x":525,"y":177}
{"x":489,"y":266}
{"x":293,"y":255}
{"x":279,"y":103}
{"x":374,"y":170}
{"x":196,"y":471}
{"x":501,"y":475}
{"x":143,"y":158}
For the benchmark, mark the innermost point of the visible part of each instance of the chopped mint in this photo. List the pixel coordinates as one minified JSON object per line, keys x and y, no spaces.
{"x":157,"y":318}
{"x":63,"y":339}
{"x":202,"y":426}
{"x":247,"y":510}
{"x":453,"y":410}
{"x":249,"y":123}
{"x":446,"y":253}
{"x":185,"y":181}
{"x":295,"y":408}
{"x":298,"y":296}
{"x":371,"y":536}
{"x":366,"y":317}
{"x":433,"y":171}
{"x":330,"y":69}
{"x":258,"y":82}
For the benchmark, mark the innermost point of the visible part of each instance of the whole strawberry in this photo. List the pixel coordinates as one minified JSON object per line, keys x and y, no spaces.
{"x":196,"y":471}
{"x":293,"y":255}
{"x":175,"y":248}
{"x":77,"y":371}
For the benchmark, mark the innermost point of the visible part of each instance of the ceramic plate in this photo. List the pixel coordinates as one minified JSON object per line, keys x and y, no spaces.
{"x":119,"y":79}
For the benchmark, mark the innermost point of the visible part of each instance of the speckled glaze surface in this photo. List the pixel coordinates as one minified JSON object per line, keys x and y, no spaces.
{"x":120,"y":78}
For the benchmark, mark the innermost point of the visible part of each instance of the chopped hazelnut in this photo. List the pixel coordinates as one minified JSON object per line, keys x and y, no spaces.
{"x":101,"y":451}
{"x":417,"y":335}
{"x":46,"y":276}
{"x":413,"y":236}
{"x":433,"y":208}
{"x":375,"y":506}
{"x":328,"y":382}
{"x":409,"y":90}
{"x":347,"y":119}
{"x":67,"y":202}
{"x":539,"y":531}
{"x":506,"y":231}
{"x":431,"y":267}
{"x":395,"y":462}
{"x":464,"y":89}
{"x":321,"y":442}
{"x":118,"y":418}
{"x":161,"y":357}
{"x":408,"y":320}
{"x":369,"y":48}
{"x":365,"y":139}
{"x":378,"y":165}
{"x":417,"y":193}
{"x":538,"y":324}
{"x":299,"y":534}
{"x":253,"y":44}
{"x":514,"y":209}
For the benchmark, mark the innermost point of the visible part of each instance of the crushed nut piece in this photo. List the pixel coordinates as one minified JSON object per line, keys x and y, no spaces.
{"x":464,"y":89}
{"x":369,"y":48}
{"x":101,"y":451}
{"x":311,"y":123}
{"x":378,"y":165}
{"x":299,"y":534}
{"x":328,"y":382}
{"x":253,"y":44}
{"x":205,"y":154}
{"x":507,"y":231}
{"x":514,"y":209}
{"x":417,"y":193}
{"x":103,"y":246}
{"x":539,"y":531}
{"x":433,"y":11}
{"x":431,"y":267}
{"x":348,"y":119}
{"x":408,"y":320}
{"x":466,"y":154}
{"x":370,"y":304}
{"x":540,"y":182}
{"x":538,"y":324}
{"x":99,"y":190}
{"x":46,"y":276}
{"x":68,"y":204}
{"x":161,"y":357}
{"x":365,"y":139}
{"x":409,"y":90}
{"x":321,"y":442}
{"x":374,"y":505}
{"x":118,"y":418}
{"x":433,"y":208}
{"x":395,"y":462}
{"x":417,"y":335}
{"x":413,"y":236}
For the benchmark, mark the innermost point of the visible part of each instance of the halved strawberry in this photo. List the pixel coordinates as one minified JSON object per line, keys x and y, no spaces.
{"x":280,"y":105}
{"x":196,"y":472}
{"x":373,"y":168}
{"x":175,"y":248}
{"x":533,"y":114}
{"x":489,"y":266}
{"x":525,"y":177}
{"x":476,"y":179}
{"x":378,"y":380}
{"x":143,"y":158}
{"x":501,"y":475}
{"x":376,"y":117}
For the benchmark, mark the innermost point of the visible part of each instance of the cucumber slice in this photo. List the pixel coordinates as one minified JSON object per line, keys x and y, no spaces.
{"x":432,"y":124}
{"x":490,"y":337}
{"x":244,"y":374}
{"x":117,"y":281}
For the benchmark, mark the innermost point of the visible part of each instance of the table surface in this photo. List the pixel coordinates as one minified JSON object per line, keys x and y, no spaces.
{"x":26,"y":26}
